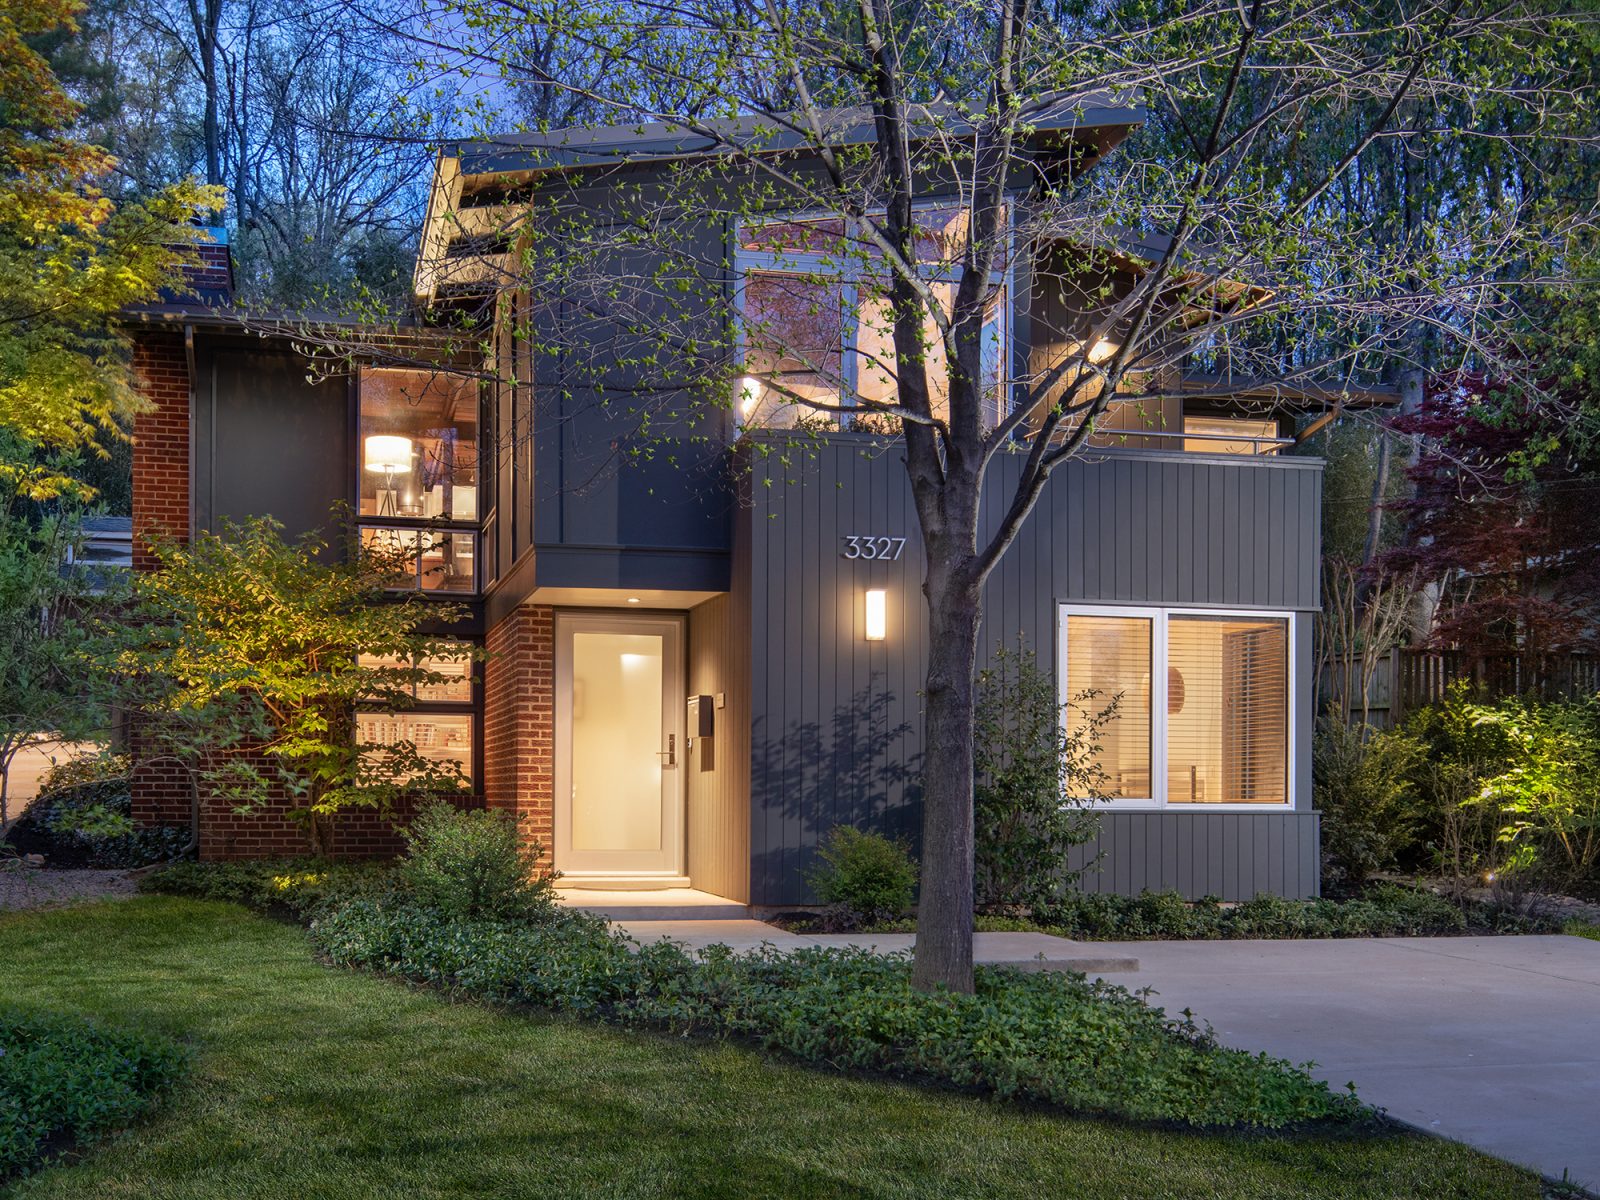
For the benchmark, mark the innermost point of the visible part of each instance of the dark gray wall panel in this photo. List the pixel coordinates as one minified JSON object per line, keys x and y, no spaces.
{"x":267,"y":441}
{"x":836,"y":720}
{"x":1231,"y":856}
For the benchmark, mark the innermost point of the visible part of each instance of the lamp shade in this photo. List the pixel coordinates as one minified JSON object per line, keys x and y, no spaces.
{"x":388,"y":453}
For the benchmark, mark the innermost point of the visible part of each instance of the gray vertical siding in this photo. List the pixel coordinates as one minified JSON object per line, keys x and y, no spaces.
{"x":836,"y":720}
{"x":1231,"y":856}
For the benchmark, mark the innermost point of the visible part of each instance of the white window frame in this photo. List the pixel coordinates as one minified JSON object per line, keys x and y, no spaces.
{"x":1159,"y":616}
{"x":803,"y":262}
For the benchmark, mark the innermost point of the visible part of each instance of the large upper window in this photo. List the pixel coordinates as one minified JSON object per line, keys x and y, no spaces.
{"x":1203,"y":703}
{"x":417,"y":478}
{"x":817,"y":325}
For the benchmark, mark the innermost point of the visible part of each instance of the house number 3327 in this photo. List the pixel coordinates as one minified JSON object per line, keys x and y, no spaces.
{"x":862,"y":545}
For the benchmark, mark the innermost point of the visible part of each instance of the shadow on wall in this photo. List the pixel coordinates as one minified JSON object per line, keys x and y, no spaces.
{"x":862,"y":767}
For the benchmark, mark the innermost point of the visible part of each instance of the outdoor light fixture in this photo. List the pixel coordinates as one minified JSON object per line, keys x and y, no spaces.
{"x":633,"y":599}
{"x":1102,"y":350}
{"x":877,"y":614}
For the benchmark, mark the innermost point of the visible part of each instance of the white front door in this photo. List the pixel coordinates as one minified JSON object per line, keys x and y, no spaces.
{"x":619,"y":743}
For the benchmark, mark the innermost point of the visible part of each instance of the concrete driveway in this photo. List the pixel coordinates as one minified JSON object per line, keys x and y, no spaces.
{"x":1491,"y":1041}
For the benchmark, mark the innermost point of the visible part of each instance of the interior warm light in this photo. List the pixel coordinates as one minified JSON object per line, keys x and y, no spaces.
{"x":388,"y":453}
{"x":749,"y":395}
{"x":877,"y":615}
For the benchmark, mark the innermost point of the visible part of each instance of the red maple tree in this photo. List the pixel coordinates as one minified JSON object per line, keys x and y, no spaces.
{"x":1504,"y":520}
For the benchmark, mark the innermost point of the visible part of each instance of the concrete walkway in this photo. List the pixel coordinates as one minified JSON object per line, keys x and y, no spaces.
{"x":1490,"y":1041}
{"x":699,"y":919}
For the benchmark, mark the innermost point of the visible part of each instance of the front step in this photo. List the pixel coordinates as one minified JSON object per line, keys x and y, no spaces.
{"x":662,"y":904}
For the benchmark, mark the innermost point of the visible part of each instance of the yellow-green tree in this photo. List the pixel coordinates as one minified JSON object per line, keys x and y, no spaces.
{"x":70,"y":261}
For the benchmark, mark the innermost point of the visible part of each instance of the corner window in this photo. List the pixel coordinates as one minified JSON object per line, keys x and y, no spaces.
{"x":817,"y":328}
{"x":1204,"y":703}
{"x":418,"y":475}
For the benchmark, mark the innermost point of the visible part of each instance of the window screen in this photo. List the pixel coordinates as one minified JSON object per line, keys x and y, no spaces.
{"x":1110,"y":657}
{"x":1227,"y":710}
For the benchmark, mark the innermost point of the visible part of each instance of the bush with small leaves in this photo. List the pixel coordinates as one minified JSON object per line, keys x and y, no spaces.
{"x":300,"y":887}
{"x":474,"y":864}
{"x":863,"y":878}
{"x":64,"y":1079}
{"x":1053,"y":1037}
{"x":85,"y":819}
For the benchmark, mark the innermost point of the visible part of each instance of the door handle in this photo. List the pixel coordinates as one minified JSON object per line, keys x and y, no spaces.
{"x":669,"y":756}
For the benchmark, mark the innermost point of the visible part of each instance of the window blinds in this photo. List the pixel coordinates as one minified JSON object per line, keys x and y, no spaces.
{"x":1227,"y":712}
{"x":1110,"y":656}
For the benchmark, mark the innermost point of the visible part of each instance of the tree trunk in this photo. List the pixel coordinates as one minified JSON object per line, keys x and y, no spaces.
{"x":944,"y":911}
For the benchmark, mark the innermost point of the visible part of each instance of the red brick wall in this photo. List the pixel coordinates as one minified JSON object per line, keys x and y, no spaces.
{"x":519,"y":720}
{"x":160,"y":505}
{"x":268,"y":833}
{"x":162,"y":796}
{"x":160,"y":441}
{"x":214,"y":271}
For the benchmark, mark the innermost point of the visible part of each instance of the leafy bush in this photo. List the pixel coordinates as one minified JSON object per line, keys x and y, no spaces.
{"x":303,"y":886}
{"x":1547,"y":798}
{"x":474,"y":864}
{"x":1035,"y":780}
{"x":1509,"y":791}
{"x":1051,"y":1037}
{"x":66,"y":1078}
{"x":1459,"y":753}
{"x":1382,"y":910}
{"x":1364,"y":783}
{"x":88,"y":822}
{"x":864,"y":878}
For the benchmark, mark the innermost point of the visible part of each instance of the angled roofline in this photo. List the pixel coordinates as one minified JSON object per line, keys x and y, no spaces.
{"x":587,"y":146}
{"x":1307,"y":393}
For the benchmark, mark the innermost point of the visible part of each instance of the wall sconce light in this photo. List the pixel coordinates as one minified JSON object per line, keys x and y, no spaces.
{"x":877,"y":615}
{"x":1101,"y":350}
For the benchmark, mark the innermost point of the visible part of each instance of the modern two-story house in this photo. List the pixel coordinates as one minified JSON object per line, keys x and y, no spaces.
{"x":700,"y":662}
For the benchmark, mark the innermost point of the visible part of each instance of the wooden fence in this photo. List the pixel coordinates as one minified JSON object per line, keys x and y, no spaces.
{"x":1411,"y":677}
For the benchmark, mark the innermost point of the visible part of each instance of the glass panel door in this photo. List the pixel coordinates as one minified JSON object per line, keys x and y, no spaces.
{"x":619,"y":804}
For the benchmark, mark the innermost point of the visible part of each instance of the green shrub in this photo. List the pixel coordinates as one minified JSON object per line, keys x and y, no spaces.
{"x":300,"y":886}
{"x":1382,"y":910}
{"x":864,"y":878}
{"x":1364,"y":784}
{"x":1059,"y":1038}
{"x":474,"y":864}
{"x":1035,"y":781}
{"x":87,"y":821}
{"x":1459,"y":753}
{"x":62,"y":1078}
{"x":1509,"y":790}
{"x":1546,"y":800}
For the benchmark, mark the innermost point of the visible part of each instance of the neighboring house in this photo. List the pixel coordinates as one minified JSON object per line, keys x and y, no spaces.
{"x":702,"y":662}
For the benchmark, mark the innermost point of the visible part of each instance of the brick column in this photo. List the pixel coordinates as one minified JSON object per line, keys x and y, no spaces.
{"x":161,"y":793}
{"x":160,"y":442}
{"x":519,"y":720}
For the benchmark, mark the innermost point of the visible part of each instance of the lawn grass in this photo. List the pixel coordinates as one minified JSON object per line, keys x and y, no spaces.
{"x":311,"y":1082}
